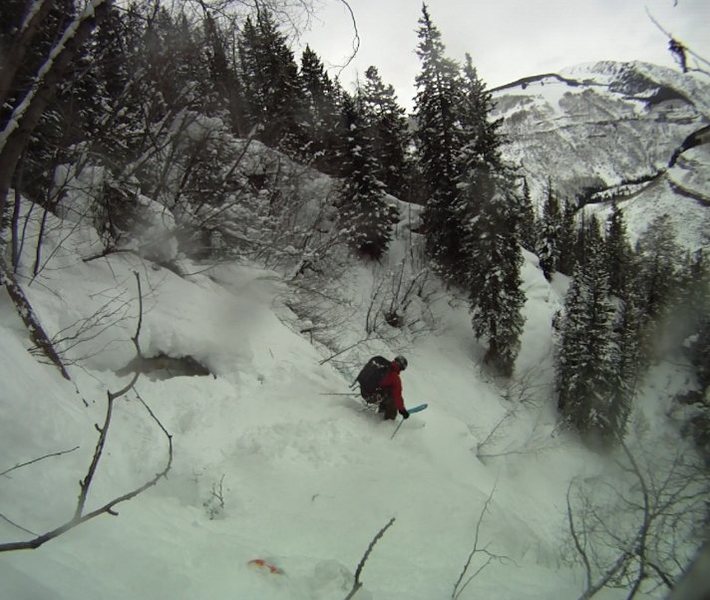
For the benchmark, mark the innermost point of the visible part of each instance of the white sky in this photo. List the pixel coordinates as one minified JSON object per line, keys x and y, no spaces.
{"x":507,"y":39}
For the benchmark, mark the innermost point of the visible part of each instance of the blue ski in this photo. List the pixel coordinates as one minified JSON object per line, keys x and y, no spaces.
{"x":414,"y":409}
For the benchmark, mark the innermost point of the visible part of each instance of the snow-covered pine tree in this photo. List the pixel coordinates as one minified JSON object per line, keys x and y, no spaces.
{"x":691,"y":307}
{"x":320,"y":114}
{"x":566,"y":238}
{"x":617,"y":250}
{"x":389,"y":131}
{"x":627,"y":361}
{"x":493,"y":270}
{"x":491,"y":213}
{"x":223,"y":74}
{"x":589,"y":238}
{"x":270,"y":77}
{"x":658,"y":271}
{"x":480,"y":135}
{"x":586,"y":365}
{"x":527,"y":225}
{"x":548,"y":234}
{"x":438,"y":139}
{"x":363,"y":215}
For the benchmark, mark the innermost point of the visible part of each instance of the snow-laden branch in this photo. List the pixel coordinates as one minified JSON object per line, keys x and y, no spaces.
{"x":17,"y":115}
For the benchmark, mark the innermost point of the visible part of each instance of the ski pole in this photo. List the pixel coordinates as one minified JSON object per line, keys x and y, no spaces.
{"x":339,"y":394}
{"x":398,"y":426}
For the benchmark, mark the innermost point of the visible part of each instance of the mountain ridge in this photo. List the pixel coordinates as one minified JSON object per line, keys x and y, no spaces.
{"x":595,"y":128}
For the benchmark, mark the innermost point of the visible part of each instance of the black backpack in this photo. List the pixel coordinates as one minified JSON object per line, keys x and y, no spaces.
{"x":371,"y":374}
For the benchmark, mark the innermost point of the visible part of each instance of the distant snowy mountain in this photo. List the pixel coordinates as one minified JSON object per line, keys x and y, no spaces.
{"x":612,"y":129}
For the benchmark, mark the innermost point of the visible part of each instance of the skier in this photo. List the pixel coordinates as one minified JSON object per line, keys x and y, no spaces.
{"x":391,"y":385}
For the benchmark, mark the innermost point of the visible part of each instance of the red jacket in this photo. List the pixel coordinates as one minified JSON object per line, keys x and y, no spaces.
{"x":393,"y":384}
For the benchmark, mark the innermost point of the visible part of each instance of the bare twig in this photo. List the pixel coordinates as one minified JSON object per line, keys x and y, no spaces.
{"x":85,"y":484}
{"x":20,"y":527}
{"x":662,"y":504}
{"x":357,"y":584}
{"x":578,"y":544}
{"x":356,"y":38}
{"x":490,"y":557}
{"x":34,"y":460}
{"x":671,"y":39}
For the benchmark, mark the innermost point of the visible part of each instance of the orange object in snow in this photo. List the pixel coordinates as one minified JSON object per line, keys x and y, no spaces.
{"x":260,"y":563}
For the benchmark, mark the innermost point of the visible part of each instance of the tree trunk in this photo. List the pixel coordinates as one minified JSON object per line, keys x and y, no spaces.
{"x":37,"y":334}
{"x":22,"y":122}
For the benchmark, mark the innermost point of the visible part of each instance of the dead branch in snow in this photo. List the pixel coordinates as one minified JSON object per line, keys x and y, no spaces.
{"x":113,"y":311}
{"x":357,"y":584}
{"x":80,"y":514}
{"x":520,"y":392}
{"x":460,"y":584}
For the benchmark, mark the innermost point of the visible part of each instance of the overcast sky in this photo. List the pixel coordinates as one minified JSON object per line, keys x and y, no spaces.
{"x":507,"y":39}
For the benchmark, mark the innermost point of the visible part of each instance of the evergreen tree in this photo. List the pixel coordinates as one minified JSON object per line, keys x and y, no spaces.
{"x":481,"y":137}
{"x":589,"y":238}
{"x":364,"y":216}
{"x":439,"y":140}
{"x":223,"y":75}
{"x":694,"y":289}
{"x":626,"y":358}
{"x":271,"y":84}
{"x":548,"y":238}
{"x":618,"y":251}
{"x":527,"y":226}
{"x":699,"y":350}
{"x":659,"y":258}
{"x":566,"y":239}
{"x":494,"y":272}
{"x":586,"y":364}
{"x":389,"y":131}
{"x":320,"y":117}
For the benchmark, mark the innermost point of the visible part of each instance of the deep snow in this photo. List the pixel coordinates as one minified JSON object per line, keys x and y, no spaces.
{"x":308,"y":479}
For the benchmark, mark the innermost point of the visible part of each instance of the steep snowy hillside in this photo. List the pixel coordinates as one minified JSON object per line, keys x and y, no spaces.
{"x":599,"y":126}
{"x":272,"y":461}
{"x":279,"y":479}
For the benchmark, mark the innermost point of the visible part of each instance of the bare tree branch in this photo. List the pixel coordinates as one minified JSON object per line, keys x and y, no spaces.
{"x":356,"y":39}
{"x":677,"y":47}
{"x":490,"y":557}
{"x":635,"y":536}
{"x":357,"y":584}
{"x":108,"y":508}
{"x":34,"y":460}
{"x":20,"y":527}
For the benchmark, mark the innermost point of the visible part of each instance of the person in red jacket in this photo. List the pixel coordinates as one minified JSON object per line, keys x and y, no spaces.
{"x":390,"y":388}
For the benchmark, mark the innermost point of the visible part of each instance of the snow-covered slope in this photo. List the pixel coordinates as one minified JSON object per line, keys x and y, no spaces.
{"x":266,"y":465}
{"x":613,"y":128}
{"x":272,"y":459}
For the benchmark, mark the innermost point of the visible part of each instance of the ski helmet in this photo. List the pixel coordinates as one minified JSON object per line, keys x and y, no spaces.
{"x":401,"y":361}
